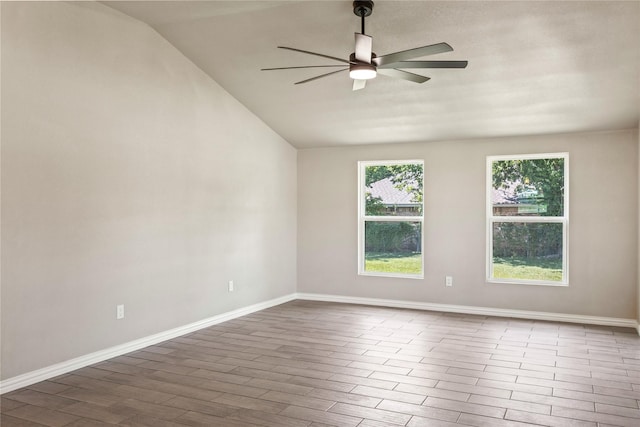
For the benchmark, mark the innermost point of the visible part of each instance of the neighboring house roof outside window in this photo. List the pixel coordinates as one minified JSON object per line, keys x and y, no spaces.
{"x":389,"y":194}
{"x":527,"y":200}
{"x":510,"y":195}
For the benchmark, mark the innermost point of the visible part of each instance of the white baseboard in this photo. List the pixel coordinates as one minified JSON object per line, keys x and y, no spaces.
{"x":484,"y":311}
{"x":33,"y":377}
{"x":43,"y":374}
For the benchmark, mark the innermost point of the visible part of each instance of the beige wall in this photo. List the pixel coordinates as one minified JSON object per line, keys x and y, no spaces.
{"x":128,"y":177}
{"x":603,"y":251}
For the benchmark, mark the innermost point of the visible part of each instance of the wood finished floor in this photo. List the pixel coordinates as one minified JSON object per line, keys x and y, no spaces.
{"x":324,"y":364}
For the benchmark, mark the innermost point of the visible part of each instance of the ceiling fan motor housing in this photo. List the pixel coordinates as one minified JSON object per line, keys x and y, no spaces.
{"x":361,"y":70}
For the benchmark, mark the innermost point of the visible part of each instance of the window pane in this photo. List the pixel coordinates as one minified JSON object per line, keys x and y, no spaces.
{"x":393,"y":247}
{"x":528,"y":187}
{"x":393,"y":190}
{"x":527,"y":251}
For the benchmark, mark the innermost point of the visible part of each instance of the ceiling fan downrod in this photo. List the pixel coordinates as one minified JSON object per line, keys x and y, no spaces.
{"x":362,"y":8}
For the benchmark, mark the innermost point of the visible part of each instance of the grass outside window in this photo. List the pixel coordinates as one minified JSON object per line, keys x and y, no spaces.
{"x":410,"y":263}
{"x":547,"y":270}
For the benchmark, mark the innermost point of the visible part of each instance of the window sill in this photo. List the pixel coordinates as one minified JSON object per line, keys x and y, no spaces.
{"x":391,"y":275}
{"x":492,"y":281}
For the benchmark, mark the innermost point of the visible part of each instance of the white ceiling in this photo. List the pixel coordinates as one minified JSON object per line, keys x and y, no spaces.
{"x":534,"y":67}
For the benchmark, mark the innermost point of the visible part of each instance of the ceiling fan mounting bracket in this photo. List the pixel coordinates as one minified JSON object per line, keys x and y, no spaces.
{"x":362,"y":8}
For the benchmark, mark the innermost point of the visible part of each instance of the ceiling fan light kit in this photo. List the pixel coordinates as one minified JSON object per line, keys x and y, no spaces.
{"x":362,"y":71}
{"x":364,"y":65}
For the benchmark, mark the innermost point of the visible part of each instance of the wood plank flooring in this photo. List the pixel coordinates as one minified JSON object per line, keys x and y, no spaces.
{"x":324,"y":364}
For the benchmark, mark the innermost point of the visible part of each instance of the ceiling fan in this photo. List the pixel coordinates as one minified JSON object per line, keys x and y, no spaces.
{"x":364,"y":65}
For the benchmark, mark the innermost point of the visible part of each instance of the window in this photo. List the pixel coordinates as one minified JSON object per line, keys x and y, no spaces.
{"x":390,"y":212}
{"x":527,"y":219}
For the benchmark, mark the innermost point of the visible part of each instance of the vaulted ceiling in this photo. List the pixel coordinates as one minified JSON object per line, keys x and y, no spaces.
{"x":534,"y":67}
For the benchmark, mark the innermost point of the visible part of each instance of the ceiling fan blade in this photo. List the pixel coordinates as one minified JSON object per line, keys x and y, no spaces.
{"x":319,"y":77}
{"x":412,"y":53}
{"x":392,"y":72}
{"x":426,"y":64}
{"x":302,"y":66}
{"x":314,"y":53}
{"x":359,"y":84}
{"x":364,"y":45}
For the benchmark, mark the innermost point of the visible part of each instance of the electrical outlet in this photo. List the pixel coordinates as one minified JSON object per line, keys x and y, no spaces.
{"x":448,"y":281}
{"x":120,"y":311}
{"x":231,"y":288}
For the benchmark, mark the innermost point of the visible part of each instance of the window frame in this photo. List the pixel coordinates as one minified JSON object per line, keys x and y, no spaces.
{"x":363,"y":218}
{"x":492,"y":219}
